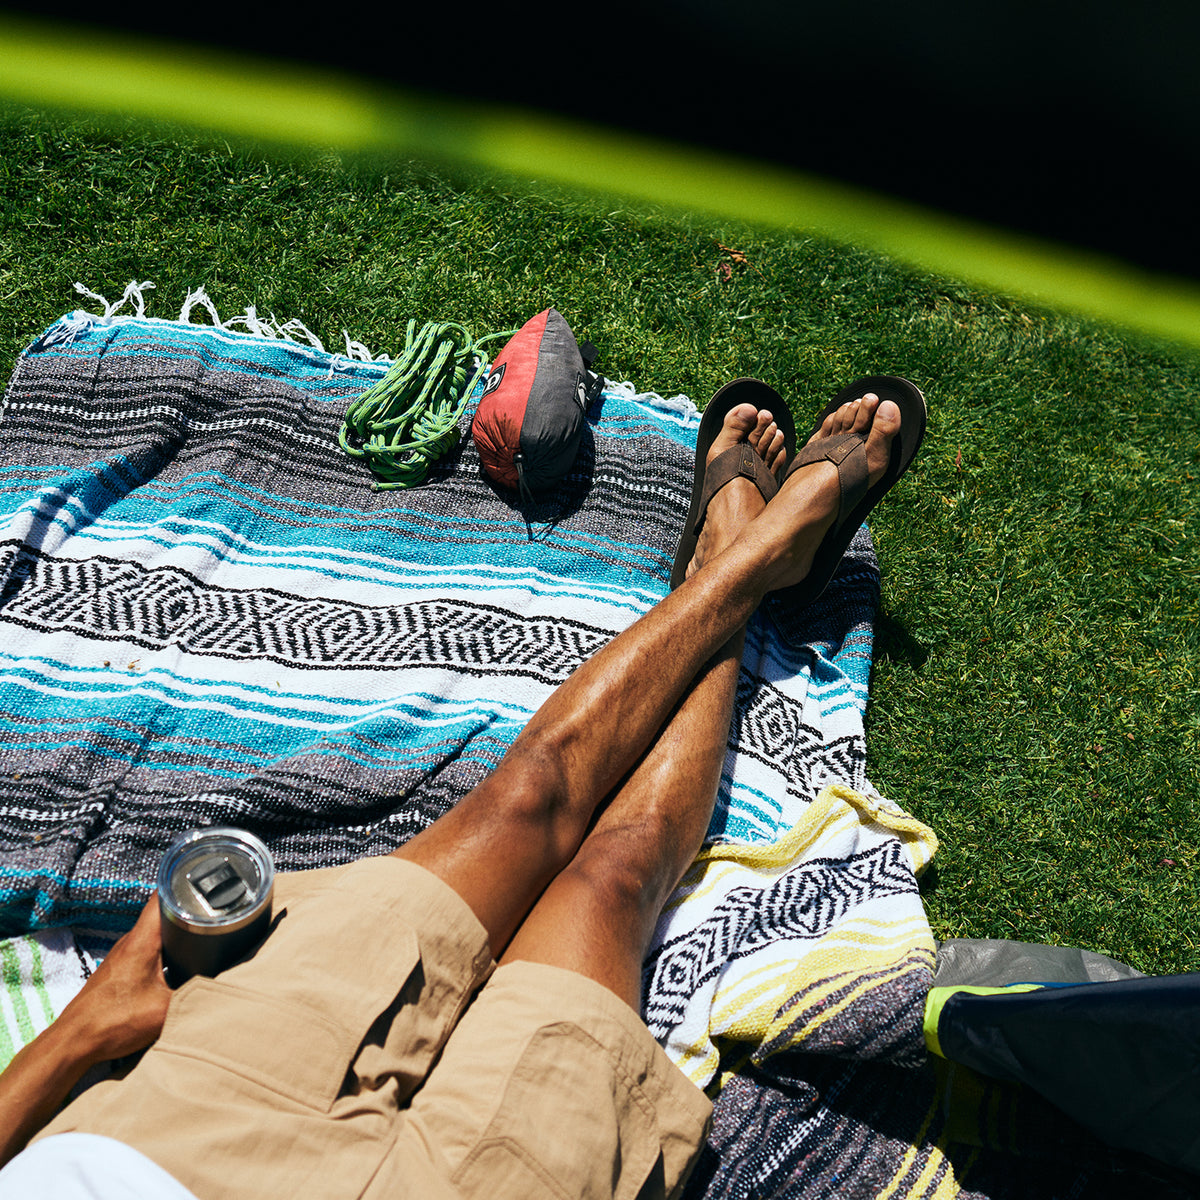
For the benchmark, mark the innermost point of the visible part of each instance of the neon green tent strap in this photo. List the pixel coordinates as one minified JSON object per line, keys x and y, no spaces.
{"x":939,"y":997}
{"x":404,"y":423}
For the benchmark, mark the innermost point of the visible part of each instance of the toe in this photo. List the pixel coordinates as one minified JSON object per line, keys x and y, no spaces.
{"x":738,"y":424}
{"x":864,"y":412}
{"x":763,"y":432}
{"x":884,"y":428}
{"x":887,"y":418}
{"x":741,"y":420}
{"x":776,"y":454}
{"x":763,"y":423}
{"x":772,"y":448}
{"x":841,"y":419}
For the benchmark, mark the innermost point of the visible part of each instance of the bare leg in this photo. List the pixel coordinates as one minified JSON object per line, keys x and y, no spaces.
{"x":504,"y":843}
{"x":599,"y":913}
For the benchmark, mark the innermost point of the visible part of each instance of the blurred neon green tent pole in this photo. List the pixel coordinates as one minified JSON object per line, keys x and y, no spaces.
{"x":43,"y":64}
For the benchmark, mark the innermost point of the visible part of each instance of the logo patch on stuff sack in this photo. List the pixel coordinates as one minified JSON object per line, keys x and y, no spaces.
{"x":494,"y":380}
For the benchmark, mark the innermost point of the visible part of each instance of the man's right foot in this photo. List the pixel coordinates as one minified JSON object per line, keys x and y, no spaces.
{"x":807,"y":505}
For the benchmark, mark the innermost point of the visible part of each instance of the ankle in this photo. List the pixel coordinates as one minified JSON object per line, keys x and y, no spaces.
{"x":788,"y":534}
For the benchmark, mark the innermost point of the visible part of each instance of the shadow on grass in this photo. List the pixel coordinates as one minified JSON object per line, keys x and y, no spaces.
{"x":896,"y":644}
{"x":928,"y":880}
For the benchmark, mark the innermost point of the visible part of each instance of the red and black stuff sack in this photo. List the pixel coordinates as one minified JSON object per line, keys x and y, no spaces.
{"x":531,"y":414}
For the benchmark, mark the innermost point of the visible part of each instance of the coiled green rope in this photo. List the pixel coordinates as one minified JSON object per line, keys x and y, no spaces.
{"x":404,"y":423}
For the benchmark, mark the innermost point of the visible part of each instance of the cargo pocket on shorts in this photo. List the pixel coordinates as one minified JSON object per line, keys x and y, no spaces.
{"x":299,"y":1040}
{"x":571,"y":1123}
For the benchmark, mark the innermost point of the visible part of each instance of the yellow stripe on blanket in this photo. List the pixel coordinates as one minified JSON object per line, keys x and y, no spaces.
{"x":762,"y":985}
{"x":802,"y":942}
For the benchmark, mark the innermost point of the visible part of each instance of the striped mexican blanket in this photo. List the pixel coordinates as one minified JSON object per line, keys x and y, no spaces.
{"x":208,"y":616}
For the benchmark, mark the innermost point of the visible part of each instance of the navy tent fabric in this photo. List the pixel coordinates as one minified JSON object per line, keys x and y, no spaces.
{"x":1122,"y":1058}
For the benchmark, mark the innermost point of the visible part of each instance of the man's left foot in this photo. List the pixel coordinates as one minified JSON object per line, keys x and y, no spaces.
{"x":739,"y":501}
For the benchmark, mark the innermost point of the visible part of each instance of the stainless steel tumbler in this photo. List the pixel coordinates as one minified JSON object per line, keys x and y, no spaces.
{"x":214,"y":894}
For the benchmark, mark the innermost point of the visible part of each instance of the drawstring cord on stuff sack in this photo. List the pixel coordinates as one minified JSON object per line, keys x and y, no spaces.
{"x":404,"y":423}
{"x":522,"y":486}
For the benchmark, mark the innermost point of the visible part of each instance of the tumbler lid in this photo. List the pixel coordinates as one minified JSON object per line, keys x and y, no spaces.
{"x":214,"y":876}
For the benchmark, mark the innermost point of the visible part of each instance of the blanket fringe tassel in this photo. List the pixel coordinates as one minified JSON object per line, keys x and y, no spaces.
{"x":296,"y":331}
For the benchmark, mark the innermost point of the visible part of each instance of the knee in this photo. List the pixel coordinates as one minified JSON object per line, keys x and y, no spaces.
{"x":624,"y":870}
{"x":532,"y":792}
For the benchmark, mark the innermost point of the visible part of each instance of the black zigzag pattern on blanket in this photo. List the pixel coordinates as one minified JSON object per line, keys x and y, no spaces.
{"x":770,"y":728}
{"x":842,"y":760}
{"x":123,"y":601}
{"x":803,"y":904}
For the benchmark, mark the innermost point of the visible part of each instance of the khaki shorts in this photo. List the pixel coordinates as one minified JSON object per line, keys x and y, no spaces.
{"x":352,"y":1057}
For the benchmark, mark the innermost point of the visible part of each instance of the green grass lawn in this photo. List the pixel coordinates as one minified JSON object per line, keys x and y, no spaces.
{"x":1035,"y":695}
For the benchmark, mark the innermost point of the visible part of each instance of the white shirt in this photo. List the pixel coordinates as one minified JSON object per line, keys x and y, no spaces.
{"x":85,"y":1166}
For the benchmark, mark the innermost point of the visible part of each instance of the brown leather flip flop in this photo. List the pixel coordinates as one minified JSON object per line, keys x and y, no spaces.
{"x":847,"y":452}
{"x":738,"y":462}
